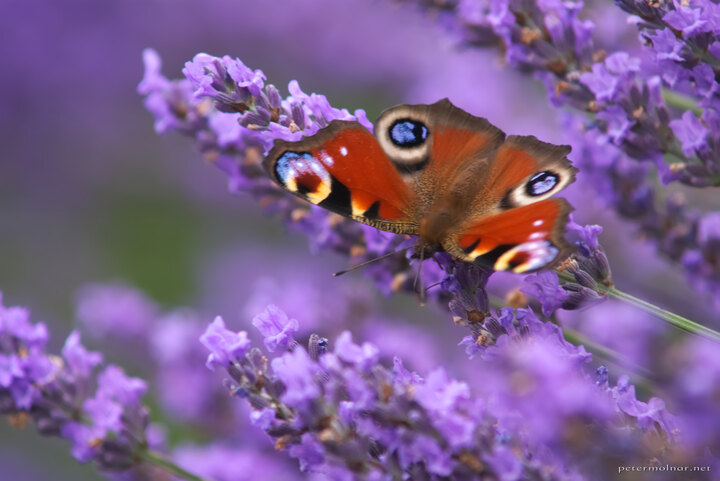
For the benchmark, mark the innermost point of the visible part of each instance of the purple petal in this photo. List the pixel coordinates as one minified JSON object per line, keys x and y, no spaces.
{"x":80,"y":361}
{"x":276,"y":328}
{"x":691,"y":133}
{"x":223,"y":344}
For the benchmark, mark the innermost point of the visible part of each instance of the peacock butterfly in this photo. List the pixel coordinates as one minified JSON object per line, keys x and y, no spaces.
{"x":435,"y":171}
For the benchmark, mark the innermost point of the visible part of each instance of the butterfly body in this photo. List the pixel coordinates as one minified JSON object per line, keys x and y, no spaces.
{"x":435,"y":171}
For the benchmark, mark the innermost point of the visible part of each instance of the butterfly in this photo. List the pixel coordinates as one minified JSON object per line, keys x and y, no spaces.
{"x":435,"y":171}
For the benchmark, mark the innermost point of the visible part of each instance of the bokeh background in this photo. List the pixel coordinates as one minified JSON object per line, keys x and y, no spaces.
{"x":90,"y":194}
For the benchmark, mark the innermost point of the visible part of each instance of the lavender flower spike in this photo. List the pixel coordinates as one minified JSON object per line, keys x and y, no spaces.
{"x":346,"y":415}
{"x":106,"y":425}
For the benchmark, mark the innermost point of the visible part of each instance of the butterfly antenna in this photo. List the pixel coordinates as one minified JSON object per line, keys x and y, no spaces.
{"x":418,"y":279}
{"x":370,"y":261}
{"x":433,"y":285}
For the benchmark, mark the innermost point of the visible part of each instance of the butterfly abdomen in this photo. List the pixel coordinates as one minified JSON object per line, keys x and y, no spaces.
{"x":440,"y":220}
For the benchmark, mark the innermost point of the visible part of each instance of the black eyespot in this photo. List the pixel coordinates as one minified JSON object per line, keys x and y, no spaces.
{"x":408,"y":133}
{"x":541,"y":183}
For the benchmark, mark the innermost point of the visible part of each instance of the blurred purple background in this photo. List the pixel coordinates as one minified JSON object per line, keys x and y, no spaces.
{"x":89,"y":193}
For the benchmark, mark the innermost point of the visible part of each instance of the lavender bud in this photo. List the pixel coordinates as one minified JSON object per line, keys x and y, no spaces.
{"x":494,"y":327}
{"x":236,"y":372}
{"x":578,"y":296}
{"x":583,"y":278}
{"x":602,"y":376}
{"x":258,"y":402}
{"x":602,"y":266}
{"x":258,"y":359}
{"x":253,"y":118}
{"x":273,"y":96}
{"x":274,"y":388}
{"x":280,"y":430}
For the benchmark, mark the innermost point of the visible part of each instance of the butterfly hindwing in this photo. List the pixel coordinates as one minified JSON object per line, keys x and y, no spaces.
{"x":521,"y":239}
{"x":513,"y":224}
{"x":343,"y":169}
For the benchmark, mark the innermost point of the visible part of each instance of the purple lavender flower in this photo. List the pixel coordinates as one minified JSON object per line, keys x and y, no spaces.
{"x":188,"y":394}
{"x":545,"y":287}
{"x":223,"y":343}
{"x":309,"y":452}
{"x":107,"y":427}
{"x":688,"y":20}
{"x":363,"y":357}
{"x":297,"y":372}
{"x":276,"y":328}
{"x":79,"y":360}
{"x":15,"y":321}
{"x":601,"y":82}
{"x":690,"y":132}
{"x":346,"y":415}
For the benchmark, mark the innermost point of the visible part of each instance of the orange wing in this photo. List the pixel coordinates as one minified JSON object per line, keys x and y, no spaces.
{"x":521,"y":239}
{"x":524,"y":170}
{"x":343,"y":169}
{"x":437,"y":146}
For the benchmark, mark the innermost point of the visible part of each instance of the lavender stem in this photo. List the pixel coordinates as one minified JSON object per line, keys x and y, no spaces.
{"x":667,"y":316}
{"x":680,"y":101}
{"x":672,"y":318}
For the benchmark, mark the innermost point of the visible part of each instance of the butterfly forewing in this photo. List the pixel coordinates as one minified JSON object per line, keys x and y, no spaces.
{"x":436,"y":146}
{"x":343,"y":169}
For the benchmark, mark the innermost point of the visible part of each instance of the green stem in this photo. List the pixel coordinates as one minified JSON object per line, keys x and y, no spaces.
{"x":670,"y":317}
{"x":703,"y":55}
{"x":681,"y":101}
{"x":156,"y":459}
{"x":667,"y":316}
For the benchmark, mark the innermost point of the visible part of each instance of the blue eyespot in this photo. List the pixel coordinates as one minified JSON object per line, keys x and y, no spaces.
{"x":288,"y":164}
{"x":408,"y":133}
{"x":541,"y":183}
